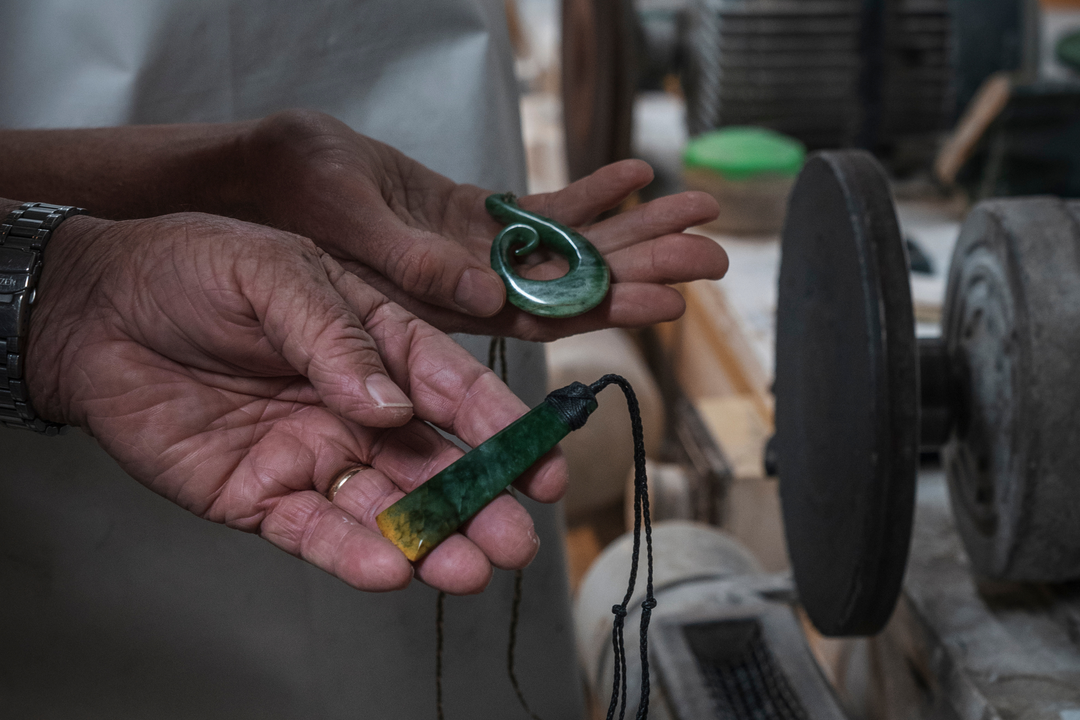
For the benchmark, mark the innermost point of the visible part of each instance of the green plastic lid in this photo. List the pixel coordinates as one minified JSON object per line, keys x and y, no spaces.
{"x":740,"y":153}
{"x":1068,"y":50}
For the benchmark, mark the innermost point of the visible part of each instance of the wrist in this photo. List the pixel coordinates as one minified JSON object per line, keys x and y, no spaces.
{"x":6,"y":206}
{"x":60,"y":316}
{"x":132,"y":171}
{"x":280,"y":158}
{"x":218,"y":176}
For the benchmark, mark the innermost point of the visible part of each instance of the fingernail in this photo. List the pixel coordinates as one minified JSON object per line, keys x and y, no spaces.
{"x":384,"y":392}
{"x":479,"y":293}
{"x":536,"y":545}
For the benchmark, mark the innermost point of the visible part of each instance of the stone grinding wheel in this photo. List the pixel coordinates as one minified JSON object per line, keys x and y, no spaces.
{"x":1012,"y":332}
{"x":846,"y":394}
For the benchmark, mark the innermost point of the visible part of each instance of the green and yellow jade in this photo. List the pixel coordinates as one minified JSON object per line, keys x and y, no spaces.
{"x":581,"y":289}
{"x":432,"y":512}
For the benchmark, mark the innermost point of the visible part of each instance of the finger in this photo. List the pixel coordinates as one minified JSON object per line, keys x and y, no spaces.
{"x":308,"y":321}
{"x":307,"y":525}
{"x":663,"y":216}
{"x":581,"y":201}
{"x":424,"y":264}
{"x":269,"y":491}
{"x":449,"y":387}
{"x":401,"y":460}
{"x":669,"y":259}
{"x":628,"y":305}
{"x":308,"y":449}
{"x":501,"y":534}
{"x":633,"y":305}
{"x":457,"y":566}
{"x":342,"y":536}
{"x":504,"y":530}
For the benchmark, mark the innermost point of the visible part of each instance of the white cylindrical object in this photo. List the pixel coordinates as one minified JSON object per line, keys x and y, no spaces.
{"x":684,"y":553}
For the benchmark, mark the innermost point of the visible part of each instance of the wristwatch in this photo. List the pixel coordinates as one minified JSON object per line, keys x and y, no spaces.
{"x":23,"y":236}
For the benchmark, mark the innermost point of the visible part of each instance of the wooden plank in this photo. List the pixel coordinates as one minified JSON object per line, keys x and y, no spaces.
{"x":979,"y":115}
{"x":710,"y":354}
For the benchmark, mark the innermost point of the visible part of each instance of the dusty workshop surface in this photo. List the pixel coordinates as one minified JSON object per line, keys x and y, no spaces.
{"x":980,"y":650}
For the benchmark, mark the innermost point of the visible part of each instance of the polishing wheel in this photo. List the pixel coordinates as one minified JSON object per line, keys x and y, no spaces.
{"x":1012,"y":341}
{"x":997,"y":392}
{"x":846,"y":393}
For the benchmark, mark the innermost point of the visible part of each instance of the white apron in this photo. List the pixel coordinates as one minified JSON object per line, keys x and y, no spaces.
{"x":115,"y":603}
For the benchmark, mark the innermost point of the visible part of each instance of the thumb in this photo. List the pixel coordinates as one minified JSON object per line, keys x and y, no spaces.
{"x":317,"y":332}
{"x":426,"y":265}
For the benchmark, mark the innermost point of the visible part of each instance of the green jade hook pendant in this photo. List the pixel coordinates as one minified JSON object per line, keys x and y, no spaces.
{"x":581,"y":289}
{"x":432,"y":512}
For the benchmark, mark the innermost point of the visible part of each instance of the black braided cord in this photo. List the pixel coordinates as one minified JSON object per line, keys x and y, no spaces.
{"x":641,"y":517}
{"x":572,"y":403}
{"x":439,"y":605}
{"x":498,"y":348}
{"x":515,"y":611}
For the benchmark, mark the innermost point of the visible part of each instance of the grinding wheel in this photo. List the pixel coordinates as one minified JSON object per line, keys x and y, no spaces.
{"x":846,"y":394}
{"x":1012,"y":331}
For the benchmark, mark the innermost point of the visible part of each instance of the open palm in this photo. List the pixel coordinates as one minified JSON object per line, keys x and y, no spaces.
{"x":425,"y":240}
{"x":237,"y":369}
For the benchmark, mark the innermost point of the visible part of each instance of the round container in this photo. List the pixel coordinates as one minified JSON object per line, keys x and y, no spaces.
{"x":1067,"y":50}
{"x":750,"y":171}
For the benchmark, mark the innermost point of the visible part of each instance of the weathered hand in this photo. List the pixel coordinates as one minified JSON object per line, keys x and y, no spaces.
{"x":420,"y":238}
{"x":425,"y":241}
{"x":236,"y":370}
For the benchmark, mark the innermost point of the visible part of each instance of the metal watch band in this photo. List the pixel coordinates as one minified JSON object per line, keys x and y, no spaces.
{"x":23,"y":237}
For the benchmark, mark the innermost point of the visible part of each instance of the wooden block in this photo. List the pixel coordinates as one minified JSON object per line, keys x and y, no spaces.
{"x":752,"y":505}
{"x":735,"y":421}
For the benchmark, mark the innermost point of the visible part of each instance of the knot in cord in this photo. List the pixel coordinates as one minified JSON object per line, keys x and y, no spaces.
{"x":619,"y":611}
{"x":648,"y":604}
{"x":573,"y":403}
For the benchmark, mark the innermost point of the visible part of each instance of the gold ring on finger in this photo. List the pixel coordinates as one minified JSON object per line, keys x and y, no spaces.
{"x":343,"y":478}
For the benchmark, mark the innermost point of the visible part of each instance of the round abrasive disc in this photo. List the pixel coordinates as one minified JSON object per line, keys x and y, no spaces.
{"x":846,"y":394}
{"x":1012,"y":334}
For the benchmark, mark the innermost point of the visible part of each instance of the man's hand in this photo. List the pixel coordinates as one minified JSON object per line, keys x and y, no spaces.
{"x":425,"y":241}
{"x":418,"y":237}
{"x":237,"y":370}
